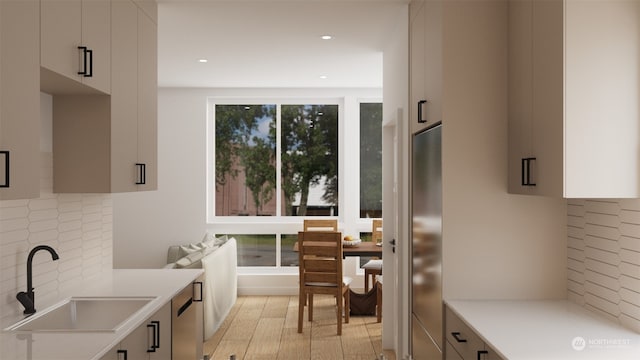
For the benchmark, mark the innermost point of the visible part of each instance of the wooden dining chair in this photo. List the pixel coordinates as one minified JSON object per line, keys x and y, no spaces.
{"x":320,"y":264}
{"x":374,"y":266}
{"x":320,"y":225}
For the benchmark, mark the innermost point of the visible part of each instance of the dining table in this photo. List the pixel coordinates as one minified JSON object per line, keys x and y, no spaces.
{"x":365,"y":248}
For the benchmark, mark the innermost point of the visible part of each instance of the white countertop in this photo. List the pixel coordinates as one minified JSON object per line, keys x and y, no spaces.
{"x":546,"y":330}
{"x":161,"y":283}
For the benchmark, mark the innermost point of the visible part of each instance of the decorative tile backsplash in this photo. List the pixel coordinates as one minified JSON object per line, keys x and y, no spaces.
{"x":77,"y":226}
{"x":604,"y":257}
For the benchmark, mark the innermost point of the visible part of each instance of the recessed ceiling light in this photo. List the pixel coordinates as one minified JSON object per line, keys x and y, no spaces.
{"x":323,"y":77}
{"x":326,"y":37}
{"x":203,"y":60}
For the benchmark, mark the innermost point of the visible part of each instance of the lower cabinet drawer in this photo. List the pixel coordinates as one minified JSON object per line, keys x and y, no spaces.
{"x":463,"y":343}
{"x":461,"y":337}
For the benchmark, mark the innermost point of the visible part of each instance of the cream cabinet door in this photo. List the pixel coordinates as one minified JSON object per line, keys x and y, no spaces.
{"x":66,"y":26}
{"x":19,"y":100}
{"x":124,"y":96}
{"x":417,"y":50}
{"x":432,"y":111}
{"x":425,"y":64}
{"x":96,"y":35}
{"x":520,"y":45}
{"x":147,"y":103}
{"x":60,"y":34}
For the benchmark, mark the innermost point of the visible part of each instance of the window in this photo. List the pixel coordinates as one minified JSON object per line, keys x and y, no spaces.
{"x":370,"y":160}
{"x":246,"y":160}
{"x":310,"y":160}
{"x":273,"y":162}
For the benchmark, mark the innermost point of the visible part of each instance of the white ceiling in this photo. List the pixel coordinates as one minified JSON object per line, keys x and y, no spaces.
{"x":272,"y":43}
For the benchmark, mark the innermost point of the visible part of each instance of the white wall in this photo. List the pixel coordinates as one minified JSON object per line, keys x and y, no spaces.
{"x":77,"y":226}
{"x":147,"y":223}
{"x":495,"y":245}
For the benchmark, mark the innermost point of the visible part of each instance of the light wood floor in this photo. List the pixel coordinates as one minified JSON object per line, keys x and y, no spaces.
{"x":266,"y":327}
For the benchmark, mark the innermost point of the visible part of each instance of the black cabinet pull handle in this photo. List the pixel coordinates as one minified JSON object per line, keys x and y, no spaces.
{"x":420,"y":104}
{"x":200,"y":298}
{"x":87,"y":66}
{"x":482,"y":352}
{"x":142,"y":174}
{"x":526,"y":171}
{"x":456,"y":336}
{"x":6,"y":169}
{"x":84,"y":60}
{"x":155,"y":327}
{"x":90,"y":72}
{"x":156,"y":340}
{"x":122,"y":352}
{"x":152,"y":347}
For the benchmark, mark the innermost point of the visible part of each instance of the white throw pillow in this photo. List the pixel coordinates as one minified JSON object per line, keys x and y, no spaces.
{"x":190,"y":261}
{"x":185,"y":250}
{"x":211,"y":241}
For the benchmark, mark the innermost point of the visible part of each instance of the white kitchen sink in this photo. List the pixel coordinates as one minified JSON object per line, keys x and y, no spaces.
{"x":105,"y":314}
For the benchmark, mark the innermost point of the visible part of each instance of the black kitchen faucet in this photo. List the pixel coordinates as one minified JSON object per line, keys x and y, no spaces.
{"x":27,"y":299}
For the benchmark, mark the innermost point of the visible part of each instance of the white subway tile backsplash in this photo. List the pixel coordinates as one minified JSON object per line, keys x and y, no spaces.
{"x":8,"y":213}
{"x":600,"y":231}
{"x":630,"y":243}
{"x":14,"y":236}
{"x":602,"y":244}
{"x":602,"y":280}
{"x":77,"y":226}
{"x":629,"y":296}
{"x":604,"y":258}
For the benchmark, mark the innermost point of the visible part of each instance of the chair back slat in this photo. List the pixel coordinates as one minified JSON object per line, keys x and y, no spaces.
{"x":320,"y":265}
{"x":320,"y":277}
{"x":376,"y":230}
{"x":320,"y":225}
{"x":318,"y":250}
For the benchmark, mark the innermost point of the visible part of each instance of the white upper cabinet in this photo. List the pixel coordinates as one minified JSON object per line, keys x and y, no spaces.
{"x":75,"y":45}
{"x":574,"y":90}
{"x":19,"y":100}
{"x":425,"y":63}
{"x":116,"y":151}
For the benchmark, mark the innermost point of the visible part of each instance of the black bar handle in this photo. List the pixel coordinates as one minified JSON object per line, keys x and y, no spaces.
{"x":156,"y":340}
{"x":90,"y":72}
{"x":456,"y":335}
{"x":420,"y":104}
{"x":122,"y":352}
{"x":526,"y":172}
{"x":142,"y":174}
{"x":6,"y":169}
{"x":200,"y":298}
{"x":482,"y":352}
{"x":84,"y":60}
{"x":152,"y":347}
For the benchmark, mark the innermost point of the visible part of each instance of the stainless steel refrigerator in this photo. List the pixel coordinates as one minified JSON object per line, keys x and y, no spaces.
{"x":426,"y":249}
